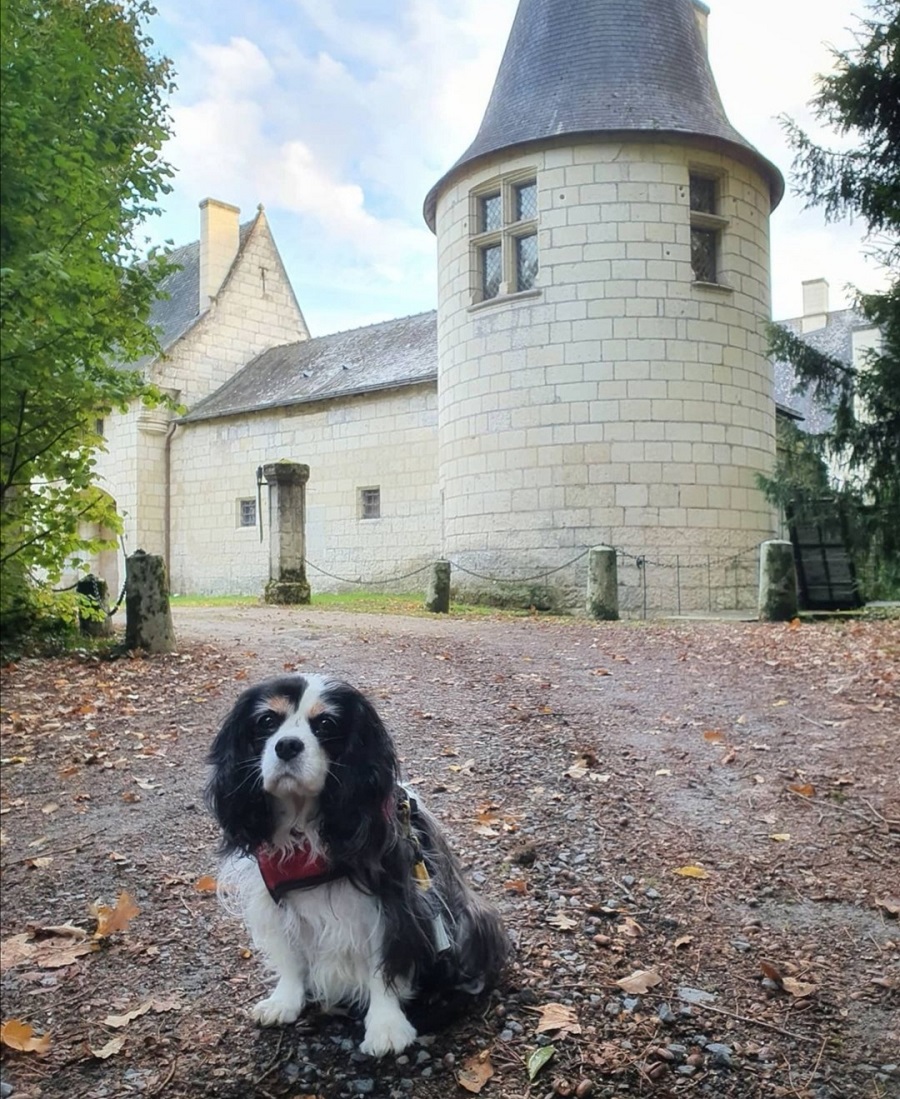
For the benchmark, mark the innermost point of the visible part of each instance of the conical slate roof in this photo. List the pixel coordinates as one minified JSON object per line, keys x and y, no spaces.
{"x":605,"y":67}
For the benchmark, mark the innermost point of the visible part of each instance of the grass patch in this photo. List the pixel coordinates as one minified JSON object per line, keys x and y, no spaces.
{"x":359,"y":602}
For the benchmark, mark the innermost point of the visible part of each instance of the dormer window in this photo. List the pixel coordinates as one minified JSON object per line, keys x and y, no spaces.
{"x":706,"y":227}
{"x":504,"y":244}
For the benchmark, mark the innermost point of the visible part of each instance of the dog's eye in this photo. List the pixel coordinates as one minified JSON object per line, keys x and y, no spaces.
{"x":268,"y":722}
{"x":325,"y":724}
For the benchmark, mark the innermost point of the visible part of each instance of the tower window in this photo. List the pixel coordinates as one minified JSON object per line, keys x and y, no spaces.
{"x":505,"y":243}
{"x":707,"y":227}
{"x":247,"y":512}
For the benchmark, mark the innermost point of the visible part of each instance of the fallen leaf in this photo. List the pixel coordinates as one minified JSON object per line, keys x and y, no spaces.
{"x":40,"y":862}
{"x":714,"y":736}
{"x":601,"y":671}
{"x":691,"y":872}
{"x":206,"y":884}
{"x":890,"y":905}
{"x":516,"y":885}
{"x":771,"y":971}
{"x":780,"y":837}
{"x":536,"y":1060}
{"x":663,"y":771}
{"x":804,"y":789}
{"x":50,"y":807}
{"x":683,"y":940}
{"x":640,"y":982}
{"x":475,"y":1072}
{"x":799,"y":989}
{"x":630,"y":927}
{"x":485,"y":830}
{"x":730,"y":756}
{"x":780,"y":702}
{"x":562,"y":921}
{"x":110,"y":920}
{"x":18,"y":1035}
{"x":114,"y":1045}
{"x":560,"y":1018}
{"x":117,"y":1021}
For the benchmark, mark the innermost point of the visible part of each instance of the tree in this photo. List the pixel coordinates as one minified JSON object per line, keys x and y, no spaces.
{"x":82,"y":121}
{"x":860,"y":98}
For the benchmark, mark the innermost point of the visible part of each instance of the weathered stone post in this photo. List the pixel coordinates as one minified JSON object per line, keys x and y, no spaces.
{"x":148,"y":619}
{"x":603,"y":584}
{"x":777,"y":582}
{"x":437,"y":596}
{"x":96,"y":592}
{"x":287,"y":532}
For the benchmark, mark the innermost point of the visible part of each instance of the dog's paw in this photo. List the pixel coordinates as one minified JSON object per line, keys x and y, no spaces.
{"x":387,"y":1034}
{"x":277,"y":1010}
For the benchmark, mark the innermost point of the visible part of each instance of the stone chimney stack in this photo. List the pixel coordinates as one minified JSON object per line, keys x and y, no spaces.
{"x":815,"y":305}
{"x":219,"y":239}
{"x":701,"y":14}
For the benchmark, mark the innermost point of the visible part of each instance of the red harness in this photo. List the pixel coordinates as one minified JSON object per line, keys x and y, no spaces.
{"x":298,"y":868}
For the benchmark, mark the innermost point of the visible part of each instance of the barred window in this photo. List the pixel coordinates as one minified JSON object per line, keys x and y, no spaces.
{"x":505,"y":243}
{"x":247,"y":512}
{"x":370,"y":503}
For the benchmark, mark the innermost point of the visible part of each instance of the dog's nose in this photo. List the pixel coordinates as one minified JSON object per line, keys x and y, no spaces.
{"x":288,"y":747}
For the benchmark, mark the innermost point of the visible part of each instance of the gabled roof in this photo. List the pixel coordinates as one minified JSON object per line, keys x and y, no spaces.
{"x":175,"y":314}
{"x":834,"y":339}
{"x":363,"y":360}
{"x":611,"y":68}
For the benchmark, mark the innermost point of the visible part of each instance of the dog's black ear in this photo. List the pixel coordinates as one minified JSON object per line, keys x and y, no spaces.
{"x":234,"y":793}
{"x":358,"y":801}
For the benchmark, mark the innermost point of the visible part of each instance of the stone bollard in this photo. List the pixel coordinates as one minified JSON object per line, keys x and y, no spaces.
{"x":603,"y":584}
{"x":777,"y":582}
{"x":96,"y":592}
{"x":287,"y":532}
{"x":437,"y":597}
{"x":148,"y":620}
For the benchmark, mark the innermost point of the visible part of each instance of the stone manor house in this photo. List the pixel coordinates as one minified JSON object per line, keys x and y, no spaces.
{"x":595,"y":371}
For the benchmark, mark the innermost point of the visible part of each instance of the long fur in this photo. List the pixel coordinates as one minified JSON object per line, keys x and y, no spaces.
{"x":305,"y":759}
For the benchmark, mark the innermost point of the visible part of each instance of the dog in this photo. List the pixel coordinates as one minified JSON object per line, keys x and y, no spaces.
{"x":345,"y":881}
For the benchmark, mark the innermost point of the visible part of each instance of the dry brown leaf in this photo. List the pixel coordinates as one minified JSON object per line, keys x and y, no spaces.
{"x":39,"y":862}
{"x":890,"y":905}
{"x":18,"y":1035}
{"x":111,"y":920}
{"x":56,"y":953}
{"x":730,"y":756}
{"x":64,"y":930}
{"x":117,"y":1021}
{"x":560,"y":1018}
{"x":639,"y":982}
{"x":475,"y":1072}
{"x":780,"y":837}
{"x":799,"y":989}
{"x":516,"y":885}
{"x":691,"y":872}
{"x":683,"y":940}
{"x":714,"y":736}
{"x":804,"y":789}
{"x":630,"y":927}
{"x":485,"y":830}
{"x":771,"y":971}
{"x":562,"y":921}
{"x":114,"y":1045}
{"x":206,"y":884}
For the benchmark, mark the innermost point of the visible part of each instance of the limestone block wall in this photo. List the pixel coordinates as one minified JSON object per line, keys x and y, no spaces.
{"x":621,"y":402}
{"x":253,"y":311}
{"x":386,"y":440}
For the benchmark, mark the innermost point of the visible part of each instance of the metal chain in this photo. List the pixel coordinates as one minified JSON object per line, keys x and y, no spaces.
{"x":348,"y":580}
{"x":519,"y":579}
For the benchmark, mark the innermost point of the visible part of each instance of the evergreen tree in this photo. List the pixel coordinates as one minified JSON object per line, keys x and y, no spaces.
{"x":860,"y":98}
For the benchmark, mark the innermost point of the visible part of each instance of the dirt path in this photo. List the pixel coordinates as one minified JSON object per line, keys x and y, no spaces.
{"x":578,"y":767}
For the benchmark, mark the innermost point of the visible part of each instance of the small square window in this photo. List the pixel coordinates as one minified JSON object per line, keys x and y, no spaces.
{"x":526,"y":261}
{"x":491,"y":271}
{"x":100,"y":426}
{"x":370,"y":503}
{"x":704,"y":243}
{"x":703,"y":195}
{"x":526,"y":201}
{"x":491,"y":216}
{"x":247,"y":512}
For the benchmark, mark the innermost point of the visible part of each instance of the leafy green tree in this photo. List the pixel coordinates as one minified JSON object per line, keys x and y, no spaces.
{"x":860,"y":99}
{"x":83,"y":117}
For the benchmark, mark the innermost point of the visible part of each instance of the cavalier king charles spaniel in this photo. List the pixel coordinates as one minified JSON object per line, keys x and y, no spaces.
{"x":344,"y":880}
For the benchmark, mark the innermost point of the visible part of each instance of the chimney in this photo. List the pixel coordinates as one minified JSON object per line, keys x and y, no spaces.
{"x":219,"y":239}
{"x":701,"y":14}
{"x":815,"y":305}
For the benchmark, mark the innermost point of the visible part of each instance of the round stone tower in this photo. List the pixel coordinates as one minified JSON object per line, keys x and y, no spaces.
{"x":603,"y":258}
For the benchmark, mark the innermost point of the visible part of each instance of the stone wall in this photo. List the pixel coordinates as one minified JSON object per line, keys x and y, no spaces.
{"x":386,"y":440}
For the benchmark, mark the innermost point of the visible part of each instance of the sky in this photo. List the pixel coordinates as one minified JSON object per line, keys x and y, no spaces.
{"x":339,"y":115}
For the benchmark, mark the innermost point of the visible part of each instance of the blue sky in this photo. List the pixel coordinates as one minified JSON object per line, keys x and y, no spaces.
{"x":339,"y":115}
